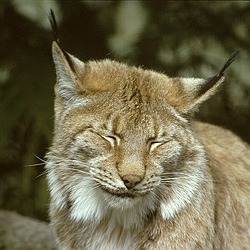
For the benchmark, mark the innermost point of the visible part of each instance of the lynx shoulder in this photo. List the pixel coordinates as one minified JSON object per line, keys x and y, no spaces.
{"x":129,"y":169}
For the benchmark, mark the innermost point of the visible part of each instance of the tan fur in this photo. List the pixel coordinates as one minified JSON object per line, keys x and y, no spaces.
{"x":128,"y":169}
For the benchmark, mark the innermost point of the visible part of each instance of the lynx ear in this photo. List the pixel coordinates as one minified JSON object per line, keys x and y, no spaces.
{"x":69,"y":69}
{"x":193,"y":91}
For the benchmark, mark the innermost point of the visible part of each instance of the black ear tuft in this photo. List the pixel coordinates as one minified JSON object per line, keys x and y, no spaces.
{"x":232,"y":57}
{"x":210,"y":82}
{"x":53,"y":24}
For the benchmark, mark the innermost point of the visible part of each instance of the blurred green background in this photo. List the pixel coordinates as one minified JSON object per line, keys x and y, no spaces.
{"x":182,"y":38}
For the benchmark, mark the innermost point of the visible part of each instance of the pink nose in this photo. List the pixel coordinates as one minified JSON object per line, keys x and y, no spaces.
{"x":131,"y":180}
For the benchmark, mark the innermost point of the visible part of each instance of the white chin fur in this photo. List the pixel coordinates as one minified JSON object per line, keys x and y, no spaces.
{"x":90,"y":203}
{"x":87,"y":202}
{"x":182,"y":194}
{"x":124,"y":203}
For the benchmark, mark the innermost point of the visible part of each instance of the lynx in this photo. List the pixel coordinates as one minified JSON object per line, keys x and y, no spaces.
{"x":129,"y":169}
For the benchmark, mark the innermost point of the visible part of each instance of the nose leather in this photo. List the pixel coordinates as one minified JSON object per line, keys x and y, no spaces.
{"x":131,"y":180}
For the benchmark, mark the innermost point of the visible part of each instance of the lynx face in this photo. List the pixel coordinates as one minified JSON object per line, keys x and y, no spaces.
{"x":125,"y":159}
{"x":123,"y":141}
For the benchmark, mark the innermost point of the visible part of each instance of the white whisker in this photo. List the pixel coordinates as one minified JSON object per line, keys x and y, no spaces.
{"x":39,"y":158}
{"x":42,"y":174}
{"x":35,"y":164}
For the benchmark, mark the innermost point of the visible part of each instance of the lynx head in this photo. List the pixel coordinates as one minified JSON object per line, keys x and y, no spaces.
{"x":123,"y":141}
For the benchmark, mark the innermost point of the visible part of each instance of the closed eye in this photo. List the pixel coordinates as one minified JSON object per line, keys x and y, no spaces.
{"x":112,"y":139}
{"x":154,"y":144}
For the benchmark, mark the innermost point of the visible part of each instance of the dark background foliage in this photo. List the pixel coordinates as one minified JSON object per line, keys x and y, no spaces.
{"x":179,"y":38}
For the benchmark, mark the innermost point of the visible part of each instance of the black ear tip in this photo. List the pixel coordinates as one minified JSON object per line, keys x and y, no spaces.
{"x":232,"y":57}
{"x":53,"y":24}
{"x":51,"y":12}
{"x":236,"y":52}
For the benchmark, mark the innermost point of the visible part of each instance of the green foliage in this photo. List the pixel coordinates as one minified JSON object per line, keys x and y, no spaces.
{"x":182,"y":38}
